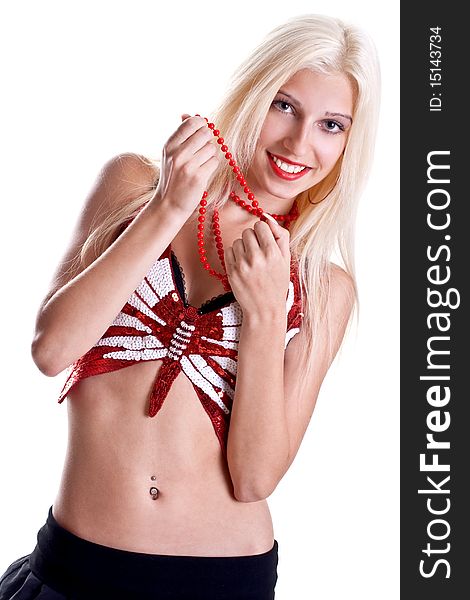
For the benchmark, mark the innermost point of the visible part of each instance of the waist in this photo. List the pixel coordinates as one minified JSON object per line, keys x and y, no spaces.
{"x":114,"y":504}
{"x":69,"y":563}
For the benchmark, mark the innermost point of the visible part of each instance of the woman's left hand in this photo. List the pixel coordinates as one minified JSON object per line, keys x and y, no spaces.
{"x":258,"y":267}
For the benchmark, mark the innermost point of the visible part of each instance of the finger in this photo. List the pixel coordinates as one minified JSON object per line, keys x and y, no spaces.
{"x":195,"y":142}
{"x":203,"y":154}
{"x":281,"y":235}
{"x":229,"y":259}
{"x":185,"y":130}
{"x":185,"y":116}
{"x":271,"y":220}
{"x":201,"y":140}
{"x":238,"y":249}
{"x":252,"y":244}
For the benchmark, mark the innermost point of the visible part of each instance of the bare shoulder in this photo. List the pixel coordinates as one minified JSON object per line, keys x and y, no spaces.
{"x":127,"y":174}
{"x":342,"y":293}
{"x":121,"y":179}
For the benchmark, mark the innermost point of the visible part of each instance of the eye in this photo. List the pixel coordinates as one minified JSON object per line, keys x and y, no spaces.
{"x":283,"y":106}
{"x":331,"y":126}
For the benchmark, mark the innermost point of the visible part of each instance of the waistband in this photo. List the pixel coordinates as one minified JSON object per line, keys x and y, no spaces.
{"x":69,"y":563}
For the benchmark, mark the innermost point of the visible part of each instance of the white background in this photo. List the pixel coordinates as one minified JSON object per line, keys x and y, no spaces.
{"x":85,"y":81}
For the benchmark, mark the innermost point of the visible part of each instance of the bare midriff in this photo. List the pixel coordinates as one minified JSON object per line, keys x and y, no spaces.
{"x":116,"y":453}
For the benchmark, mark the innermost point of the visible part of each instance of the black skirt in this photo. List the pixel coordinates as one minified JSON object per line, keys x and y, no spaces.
{"x":64,"y":566}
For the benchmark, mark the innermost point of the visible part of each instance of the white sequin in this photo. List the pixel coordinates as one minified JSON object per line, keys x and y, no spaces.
{"x":160,"y":277}
{"x":186,"y":334}
{"x":137,"y":354}
{"x":148,"y":295}
{"x":224,"y":343}
{"x":231,"y":333}
{"x":136,"y":302}
{"x":132,"y":342}
{"x":231,"y":314}
{"x":290,"y":334}
{"x":202,"y":383}
{"x":201,"y":364}
{"x":227,"y":363}
{"x":123,"y":320}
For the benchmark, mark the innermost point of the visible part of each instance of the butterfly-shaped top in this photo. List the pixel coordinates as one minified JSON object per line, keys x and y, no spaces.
{"x":157,"y":323}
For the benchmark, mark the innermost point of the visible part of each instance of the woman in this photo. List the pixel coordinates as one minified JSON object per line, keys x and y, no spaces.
{"x":174,"y":506}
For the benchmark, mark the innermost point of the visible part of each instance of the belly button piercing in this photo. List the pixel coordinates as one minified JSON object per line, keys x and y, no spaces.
{"x":153,"y":490}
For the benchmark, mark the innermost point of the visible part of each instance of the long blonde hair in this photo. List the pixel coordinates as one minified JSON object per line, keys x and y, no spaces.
{"x":326,"y":223}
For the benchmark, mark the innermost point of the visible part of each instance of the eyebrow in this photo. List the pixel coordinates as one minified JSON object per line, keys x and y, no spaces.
{"x":327,"y":114}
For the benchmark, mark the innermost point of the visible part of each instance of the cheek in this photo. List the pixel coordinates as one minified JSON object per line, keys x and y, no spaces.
{"x":272,"y":130}
{"x":332,"y":151}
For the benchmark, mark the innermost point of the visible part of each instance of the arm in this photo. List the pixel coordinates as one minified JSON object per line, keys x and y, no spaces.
{"x":269,"y":418}
{"x":80,"y":306}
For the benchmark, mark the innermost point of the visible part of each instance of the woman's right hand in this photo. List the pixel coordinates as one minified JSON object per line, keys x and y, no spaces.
{"x":188,"y":161}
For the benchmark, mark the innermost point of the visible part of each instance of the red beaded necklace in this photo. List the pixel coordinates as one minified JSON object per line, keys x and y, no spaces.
{"x":254,"y":209}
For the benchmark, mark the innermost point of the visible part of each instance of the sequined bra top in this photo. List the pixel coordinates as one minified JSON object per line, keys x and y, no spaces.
{"x":157,"y":323}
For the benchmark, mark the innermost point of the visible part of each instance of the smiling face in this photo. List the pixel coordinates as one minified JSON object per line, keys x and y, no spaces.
{"x":303,"y":136}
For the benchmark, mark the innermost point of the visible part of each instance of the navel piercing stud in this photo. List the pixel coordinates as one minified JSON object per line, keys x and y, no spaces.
{"x":154,"y":493}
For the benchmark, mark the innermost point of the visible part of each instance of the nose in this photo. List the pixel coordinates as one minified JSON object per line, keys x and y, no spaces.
{"x":299,"y":141}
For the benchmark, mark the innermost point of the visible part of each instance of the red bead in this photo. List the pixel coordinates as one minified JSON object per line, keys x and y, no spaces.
{"x":253,"y":209}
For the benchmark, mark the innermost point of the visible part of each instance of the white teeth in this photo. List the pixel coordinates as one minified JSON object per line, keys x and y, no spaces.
{"x":285,"y":167}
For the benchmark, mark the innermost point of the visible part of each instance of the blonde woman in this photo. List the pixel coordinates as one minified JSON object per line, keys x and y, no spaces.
{"x":198,"y":310}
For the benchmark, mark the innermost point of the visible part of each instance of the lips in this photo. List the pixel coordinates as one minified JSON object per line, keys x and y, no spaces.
{"x":284,"y":163}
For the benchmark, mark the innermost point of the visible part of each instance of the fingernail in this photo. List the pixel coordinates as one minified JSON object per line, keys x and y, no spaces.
{"x":268,"y":216}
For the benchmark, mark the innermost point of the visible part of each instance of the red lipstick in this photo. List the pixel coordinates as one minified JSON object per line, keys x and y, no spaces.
{"x":283,"y":174}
